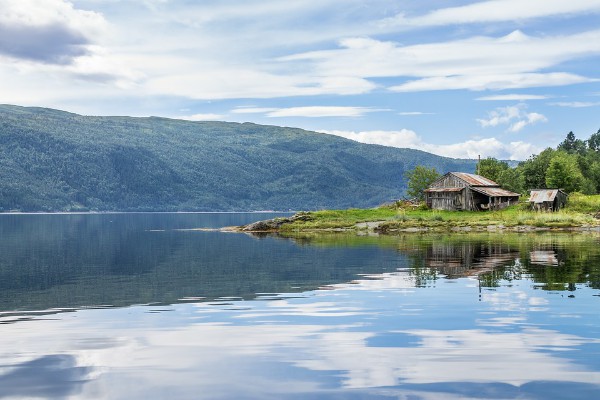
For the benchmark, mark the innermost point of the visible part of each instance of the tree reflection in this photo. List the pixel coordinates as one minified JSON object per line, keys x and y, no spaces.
{"x":553,"y":261}
{"x":557,"y":262}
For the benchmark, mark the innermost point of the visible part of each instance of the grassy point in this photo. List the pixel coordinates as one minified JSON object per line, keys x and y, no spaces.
{"x":582,"y":211}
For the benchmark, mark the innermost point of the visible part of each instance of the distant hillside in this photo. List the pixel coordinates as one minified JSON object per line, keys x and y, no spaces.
{"x":57,"y":161}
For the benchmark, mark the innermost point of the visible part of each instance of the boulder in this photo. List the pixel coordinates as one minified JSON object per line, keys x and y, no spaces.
{"x":271,"y":225}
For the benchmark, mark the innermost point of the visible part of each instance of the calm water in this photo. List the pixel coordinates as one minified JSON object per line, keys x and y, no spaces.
{"x":131,"y":306}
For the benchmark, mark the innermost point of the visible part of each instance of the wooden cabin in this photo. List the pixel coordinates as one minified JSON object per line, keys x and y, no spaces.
{"x":462,"y":191}
{"x":547,"y":199}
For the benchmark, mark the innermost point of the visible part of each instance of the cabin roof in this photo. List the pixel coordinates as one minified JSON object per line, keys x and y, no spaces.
{"x":476,"y":183}
{"x":543,"y":195}
{"x":443,"y":189}
{"x":474,"y":180}
{"x":494,"y":191}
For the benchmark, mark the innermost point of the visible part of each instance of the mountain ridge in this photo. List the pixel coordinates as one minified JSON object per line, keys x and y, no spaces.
{"x":54,"y":160}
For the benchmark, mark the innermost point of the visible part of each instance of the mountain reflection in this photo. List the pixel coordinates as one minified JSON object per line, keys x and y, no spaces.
{"x":482,"y":316}
{"x":74,"y":261}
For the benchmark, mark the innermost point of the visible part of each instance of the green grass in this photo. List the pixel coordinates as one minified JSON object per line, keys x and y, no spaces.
{"x":331,"y":219}
{"x":584,"y":203}
{"x":580,"y":211}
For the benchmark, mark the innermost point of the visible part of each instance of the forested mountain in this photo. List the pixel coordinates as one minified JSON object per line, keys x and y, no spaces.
{"x":52,"y":160}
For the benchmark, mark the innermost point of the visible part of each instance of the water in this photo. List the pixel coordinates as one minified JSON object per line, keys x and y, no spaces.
{"x":128,"y":306}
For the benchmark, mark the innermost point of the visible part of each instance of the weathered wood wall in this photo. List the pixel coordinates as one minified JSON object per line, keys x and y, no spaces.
{"x":449,"y":200}
{"x":449,"y":181}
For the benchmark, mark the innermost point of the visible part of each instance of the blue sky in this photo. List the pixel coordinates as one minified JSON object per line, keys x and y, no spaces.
{"x":501,"y":78}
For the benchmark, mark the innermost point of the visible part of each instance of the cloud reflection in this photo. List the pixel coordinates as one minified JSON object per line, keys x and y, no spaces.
{"x":50,"y":376}
{"x":320,"y":344}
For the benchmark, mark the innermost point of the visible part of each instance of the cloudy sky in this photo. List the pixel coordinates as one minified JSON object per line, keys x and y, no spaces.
{"x":501,"y":78}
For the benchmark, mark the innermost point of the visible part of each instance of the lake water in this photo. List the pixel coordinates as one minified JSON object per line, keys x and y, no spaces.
{"x":128,"y":306}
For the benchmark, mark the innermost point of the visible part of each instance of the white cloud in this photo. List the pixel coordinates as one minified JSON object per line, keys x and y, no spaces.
{"x":179,"y":50}
{"x":496,"y":11}
{"x":491,"y":82}
{"x":202,"y":117}
{"x":512,"y":97}
{"x":487,"y":147}
{"x":501,"y":116}
{"x":322,"y":111}
{"x":252,"y":110}
{"x":475,"y":63}
{"x":308,"y":111}
{"x":576,"y":104}
{"x":409,"y":113}
{"x":404,"y":138}
{"x":54,"y":42}
{"x":190,"y":60}
{"x":271,"y":23}
{"x":51,"y":32}
{"x":215,"y":82}
{"x":514,"y":116}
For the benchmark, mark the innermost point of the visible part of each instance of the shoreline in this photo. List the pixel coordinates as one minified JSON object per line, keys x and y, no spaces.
{"x":428,"y":221}
{"x":416,"y":229}
{"x":139,"y":212}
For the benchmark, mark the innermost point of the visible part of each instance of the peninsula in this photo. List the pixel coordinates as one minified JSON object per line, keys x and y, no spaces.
{"x":581,"y":214}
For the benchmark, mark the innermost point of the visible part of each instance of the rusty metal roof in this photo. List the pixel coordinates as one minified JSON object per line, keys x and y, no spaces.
{"x":474,"y":180}
{"x":444,"y":190}
{"x":495,"y":192}
{"x":543,"y":195}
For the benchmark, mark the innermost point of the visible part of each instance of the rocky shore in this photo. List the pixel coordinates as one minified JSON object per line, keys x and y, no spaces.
{"x":273,"y":225}
{"x":387,"y":227}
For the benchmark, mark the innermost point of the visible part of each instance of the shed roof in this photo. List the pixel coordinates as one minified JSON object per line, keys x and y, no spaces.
{"x":444,"y":189}
{"x":543,"y":195}
{"x":474,"y":180}
{"x":495,"y":192}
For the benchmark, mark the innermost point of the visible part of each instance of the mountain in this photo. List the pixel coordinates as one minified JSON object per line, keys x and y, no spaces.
{"x":53,"y":160}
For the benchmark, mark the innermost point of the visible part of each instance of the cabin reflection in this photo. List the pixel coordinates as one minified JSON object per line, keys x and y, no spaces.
{"x":468,"y":258}
{"x":549,"y":266}
{"x":543,"y":257}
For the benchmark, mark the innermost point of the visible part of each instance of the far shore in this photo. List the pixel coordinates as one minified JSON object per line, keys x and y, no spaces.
{"x":417,"y":229}
{"x":139,"y":212}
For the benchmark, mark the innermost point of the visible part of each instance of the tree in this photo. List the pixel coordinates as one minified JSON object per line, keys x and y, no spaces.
{"x":563,"y":172}
{"x":572,"y":145}
{"x":594,"y":175}
{"x":511,"y":179}
{"x":491,"y":168}
{"x":419,"y":179}
{"x":533,"y":170}
{"x":594,"y":141}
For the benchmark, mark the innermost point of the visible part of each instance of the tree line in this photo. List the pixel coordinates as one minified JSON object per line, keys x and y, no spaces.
{"x":574,"y":166}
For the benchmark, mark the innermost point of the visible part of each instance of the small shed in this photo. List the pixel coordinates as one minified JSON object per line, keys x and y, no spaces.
{"x":547,"y":199}
{"x":463,"y":191}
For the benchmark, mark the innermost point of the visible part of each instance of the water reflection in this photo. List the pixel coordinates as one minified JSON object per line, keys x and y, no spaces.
{"x":49,"y":376}
{"x":75,"y":261}
{"x":313,"y":316}
{"x":58,"y":262}
{"x":554,"y":261}
{"x":356,"y":340}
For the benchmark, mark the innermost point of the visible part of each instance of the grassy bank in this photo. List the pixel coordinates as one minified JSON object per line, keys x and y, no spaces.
{"x":581,"y":211}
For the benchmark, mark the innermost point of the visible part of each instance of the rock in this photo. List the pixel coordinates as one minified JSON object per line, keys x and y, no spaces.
{"x":271,"y":225}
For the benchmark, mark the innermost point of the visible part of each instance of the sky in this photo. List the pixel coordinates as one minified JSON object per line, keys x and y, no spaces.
{"x":495,"y":78}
